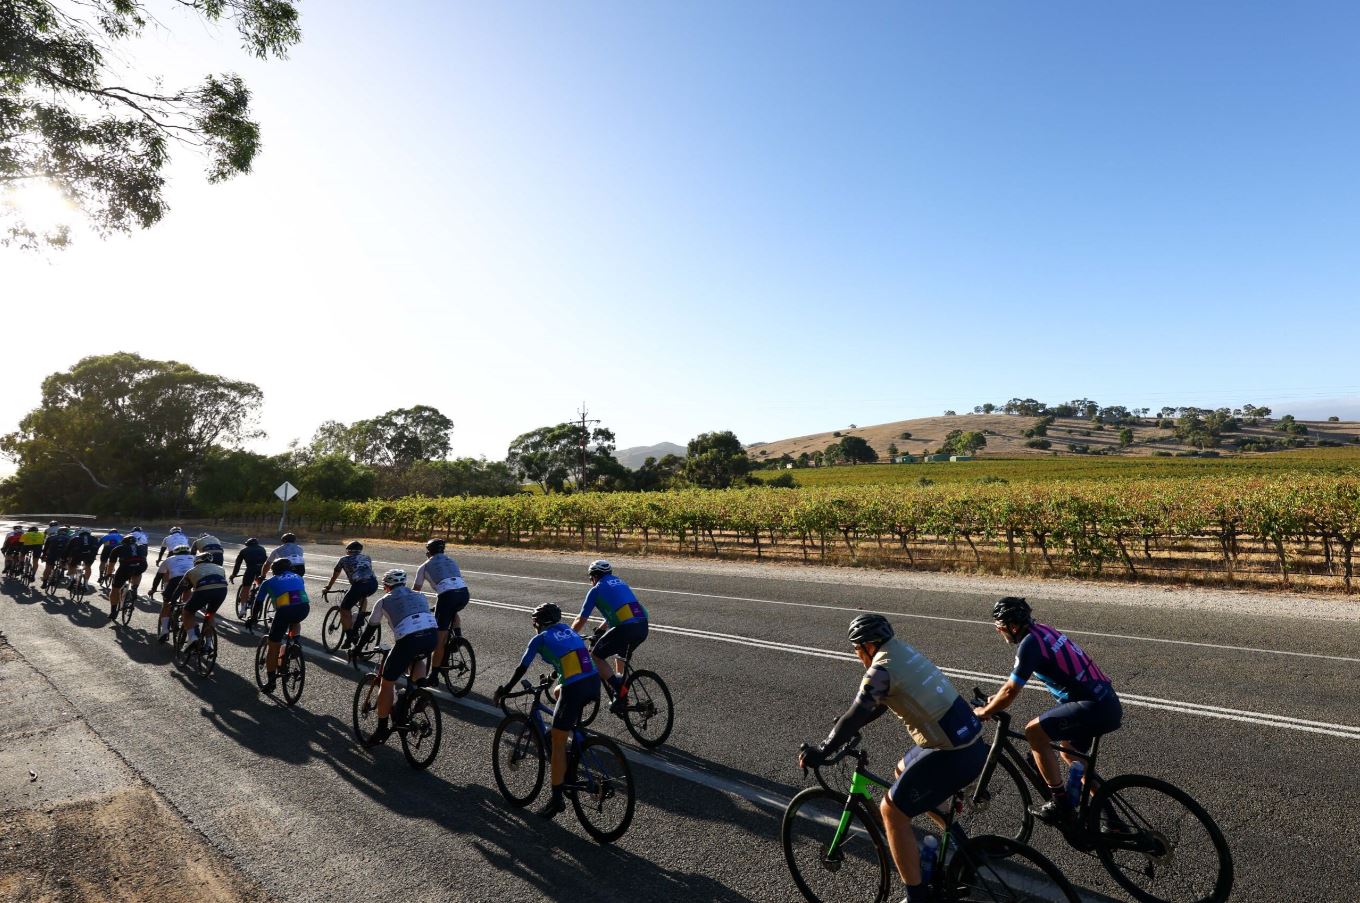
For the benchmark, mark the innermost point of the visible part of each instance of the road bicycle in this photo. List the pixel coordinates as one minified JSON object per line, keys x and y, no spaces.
{"x":30,"y":570}
{"x":243,"y":602}
{"x":52,"y":578}
{"x":647,"y":710}
{"x":459,"y":668}
{"x":199,"y":656}
{"x":599,"y":782}
{"x":292,"y":673}
{"x":76,"y":586}
{"x":128,"y":605}
{"x":1154,"y":839}
{"x":333,"y":629}
{"x":415,"y":716}
{"x":834,"y":847}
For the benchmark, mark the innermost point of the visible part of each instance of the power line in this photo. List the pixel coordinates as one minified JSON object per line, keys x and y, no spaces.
{"x":584,"y":423}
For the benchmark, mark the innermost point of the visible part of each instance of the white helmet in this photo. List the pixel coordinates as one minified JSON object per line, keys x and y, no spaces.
{"x":394,"y":577}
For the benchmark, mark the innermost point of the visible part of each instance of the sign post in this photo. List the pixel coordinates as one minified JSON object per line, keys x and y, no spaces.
{"x":285,"y":492}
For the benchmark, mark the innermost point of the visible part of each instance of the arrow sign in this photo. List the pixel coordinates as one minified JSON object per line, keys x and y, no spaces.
{"x":286,"y":491}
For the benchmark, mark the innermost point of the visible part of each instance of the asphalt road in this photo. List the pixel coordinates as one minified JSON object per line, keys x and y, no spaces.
{"x":1253,"y":716}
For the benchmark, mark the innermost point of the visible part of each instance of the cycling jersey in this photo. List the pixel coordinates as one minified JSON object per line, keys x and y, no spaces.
{"x":13,"y":541}
{"x":284,"y":590}
{"x":81,"y":546}
{"x":206,"y":576}
{"x":910,"y":686}
{"x":131,"y":558}
{"x":615,"y":601}
{"x":253,"y":557}
{"x":55,"y":546}
{"x":34,"y":539}
{"x":206,"y":543}
{"x":289,"y":551}
{"x":442,"y":572}
{"x":142,"y":540}
{"x":173,"y":541}
{"x":358,"y":567}
{"x":563,"y":648}
{"x":175,"y":567}
{"x":111,"y":538}
{"x":1060,"y":664}
{"x":406,"y":610}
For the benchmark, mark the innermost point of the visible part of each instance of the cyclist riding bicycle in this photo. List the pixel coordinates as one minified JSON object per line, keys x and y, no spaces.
{"x":54,"y":550}
{"x":53,"y":527}
{"x":80,"y":554}
{"x":413,"y":630}
{"x":949,"y":752}
{"x":206,"y":542}
{"x":107,"y":543}
{"x":33,"y":541}
{"x":143,"y":541}
{"x":625,"y":618}
{"x":13,"y":546}
{"x":129,"y":563}
{"x":1087,"y":703}
{"x":577,"y":684}
{"x":291,"y":552}
{"x":452,"y":595}
{"x":288,"y":594}
{"x":204,"y":588}
{"x":252,"y":557}
{"x":170,"y":573}
{"x":358,"y":570}
{"x":173,"y":540}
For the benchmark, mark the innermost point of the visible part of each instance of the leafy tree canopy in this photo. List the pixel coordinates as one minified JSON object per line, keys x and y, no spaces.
{"x":551,"y":457}
{"x":716,"y":460}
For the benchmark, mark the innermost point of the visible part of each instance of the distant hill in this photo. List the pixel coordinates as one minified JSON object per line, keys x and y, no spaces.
{"x":1005,"y":436}
{"x":632,"y":458}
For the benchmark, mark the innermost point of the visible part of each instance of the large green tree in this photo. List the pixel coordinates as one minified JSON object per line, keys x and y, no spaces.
{"x":551,"y":457}
{"x":77,"y":111}
{"x":122,"y":432}
{"x":716,"y":460}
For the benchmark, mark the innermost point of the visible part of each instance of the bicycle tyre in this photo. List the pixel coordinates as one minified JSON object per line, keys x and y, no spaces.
{"x":293,"y":673}
{"x":242,"y":605}
{"x":985,"y":817}
{"x":125,"y":610}
{"x":601,"y":765}
{"x":1114,"y":794}
{"x":518,"y":739}
{"x":460,"y":667}
{"x":207,"y":651}
{"x":643,"y":691}
{"x":262,"y":662}
{"x":999,"y":868}
{"x":792,"y":830}
{"x":178,"y":637}
{"x":332,"y":630}
{"x":366,"y":704}
{"x":426,"y":726}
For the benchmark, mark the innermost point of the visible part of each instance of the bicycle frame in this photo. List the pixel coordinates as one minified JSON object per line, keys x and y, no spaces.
{"x":1002,"y":745}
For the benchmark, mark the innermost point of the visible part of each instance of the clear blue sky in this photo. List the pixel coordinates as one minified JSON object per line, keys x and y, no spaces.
{"x":771,"y":218}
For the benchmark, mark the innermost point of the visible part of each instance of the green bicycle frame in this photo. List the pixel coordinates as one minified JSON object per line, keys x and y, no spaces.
{"x":860,"y":782}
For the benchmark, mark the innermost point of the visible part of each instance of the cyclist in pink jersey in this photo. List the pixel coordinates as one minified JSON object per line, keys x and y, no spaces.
{"x":1087,"y":703}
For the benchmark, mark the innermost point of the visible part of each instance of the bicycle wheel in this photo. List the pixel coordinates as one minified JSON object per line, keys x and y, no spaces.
{"x":125,"y":609}
{"x":605,"y":796}
{"x":856,"y":871}
{"x":262,"y":662}
{"x":460,"y":667}
{"x":207,"y":652}
{"x":242,"y":605}
{"x":649,"y":715}
{"x":332,"y":629}
{"x":1000,"y":807}
{"x":517,"y":759}
{"x":179,"y":638}
{"x":366,"y":706}
{"x":995,"y":868}
{"x":1158,"y":843}
{"x":423,"y":730}
{"x":292,"y":672}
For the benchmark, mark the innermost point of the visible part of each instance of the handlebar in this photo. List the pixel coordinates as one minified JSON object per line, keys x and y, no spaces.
{"x":850,"y":748}
{"x":1002,"y":717}
{"x":544,"y":682}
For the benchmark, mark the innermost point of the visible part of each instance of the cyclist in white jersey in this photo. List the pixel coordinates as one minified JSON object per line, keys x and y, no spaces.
{"x":169,"y":574}
{"x":413,"y":630}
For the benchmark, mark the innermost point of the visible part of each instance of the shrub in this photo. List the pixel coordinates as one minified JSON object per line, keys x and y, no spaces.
{"x":1038,"y":443}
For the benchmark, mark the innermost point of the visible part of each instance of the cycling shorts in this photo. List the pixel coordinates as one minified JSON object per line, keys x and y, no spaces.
{"x":1081,"y":722}
{"x":216,"y":554}
{"x":124,"y":574}
{"x":573,"y":699}
{"x":250,"y":575}
{"x":358,"y":592}
{"x":300,"y":570}
{"x":171,"y":588}
{"x":408,"y":649}
{"x":450,"y":602}
{"x":105,"y":552}
{"x":931,"y":776}
{"x":209,"y":600}
{"x":285,"y":618}
{"x":618,"y":640}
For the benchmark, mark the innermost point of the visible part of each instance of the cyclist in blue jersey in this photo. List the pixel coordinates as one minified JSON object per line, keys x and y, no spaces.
{"x":107,"y":543}
{"x":624,"y":617}
{"x":1087,"y":703}
{"x":577,"y":684}
{"x":413,"y":630}
{"x":288,"y":594}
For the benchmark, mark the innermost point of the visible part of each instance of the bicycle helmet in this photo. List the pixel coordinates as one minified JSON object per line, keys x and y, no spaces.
{"x":53,"y":523}
{"x":434,"y":547}
{"x":136,"y":529}
{"x":180,"y":550}
{"x":252,"y":541}
{"x":394,"y":577}
{"x":129,"y":540}
{"x":281,"y":566}
{"x":203,"y":557}
{"x":870,"y":628}
{"x":180,"y":530}
{"x":288,"y":537}
{"x":355,"y":546}
{"x":547,"y":614}
{"x":599,"y":567}
{"x":1011,"y":610}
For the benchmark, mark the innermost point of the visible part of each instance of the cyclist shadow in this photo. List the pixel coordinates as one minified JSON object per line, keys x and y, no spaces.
{"x":80,"y":614}
{"x":22,"y":593}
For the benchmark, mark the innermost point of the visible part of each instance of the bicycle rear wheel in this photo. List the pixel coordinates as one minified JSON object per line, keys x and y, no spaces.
{"x":650,"y":714}
{"x":605,"y":799}
{"x":126,"y":608}
{"x":332,"y":629}
{"x":292,"y":672}
{"x":366,"y":706}
{"x":242,"y":604}
{"x":207,"y":651}
{"x":460,"y":666}
{"x":262,"y":662}
{"x":517,"y":759}
{"x":1001,"y":808}
{"x":1158,"y":843}
{"x":424,"y":728}
{"x":999,"y":869}
{"x":856,"y":871}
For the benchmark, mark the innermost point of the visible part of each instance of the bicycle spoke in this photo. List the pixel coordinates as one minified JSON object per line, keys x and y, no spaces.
{"x":854,"y":871}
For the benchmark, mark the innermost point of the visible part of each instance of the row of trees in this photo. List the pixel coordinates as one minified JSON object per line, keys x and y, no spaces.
{"x":1117,"y":415}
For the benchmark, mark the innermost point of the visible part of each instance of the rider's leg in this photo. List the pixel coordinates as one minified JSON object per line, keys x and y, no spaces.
{"x":1044,"y":756}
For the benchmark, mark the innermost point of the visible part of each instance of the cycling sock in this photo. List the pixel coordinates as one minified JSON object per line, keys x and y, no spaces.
{"x":616,"y":682}
{"x":916,"y":892}
{"x":382,"y":724}
{"x":165,"y":625}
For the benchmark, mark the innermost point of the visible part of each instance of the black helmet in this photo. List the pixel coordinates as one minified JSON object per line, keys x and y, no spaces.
{"x":547,"y":614}
{"x":281,"y":566}
{"x":1011,"y":610}
{"x":435,"y":547}
{"x":288,"y":537}
{"x":136,"y":529}
{"x":870,"y":628}
{"x":599,"y":567}
{"x":355,"y":546}
{"x":252,"y":541}
{"x":129,"y":540}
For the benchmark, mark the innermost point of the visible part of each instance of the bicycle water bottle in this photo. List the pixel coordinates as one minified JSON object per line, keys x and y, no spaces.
{"x":1074,"y":776}
{"x":929,"y":848}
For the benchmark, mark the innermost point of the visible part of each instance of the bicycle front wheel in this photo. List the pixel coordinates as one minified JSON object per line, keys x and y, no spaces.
{"x":420,"y":738}
{"x":366,"y":707}
{"x":460,"y":667}
{"x":605,"y":796}
{"x":517,"y":759}
{"x":1158,"y":843}
{"x":292,"y":673}
{"x":1000,"y":806}
{"x":999,"y":869}
{"x":649,"y":715}
{"x":855,"y":870}
{"x":332,"y":629}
